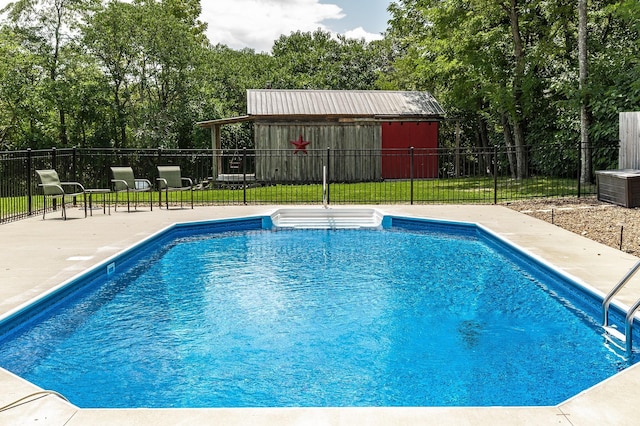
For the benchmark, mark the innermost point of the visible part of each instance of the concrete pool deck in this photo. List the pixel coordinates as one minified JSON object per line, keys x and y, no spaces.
{"x":38,"y":255}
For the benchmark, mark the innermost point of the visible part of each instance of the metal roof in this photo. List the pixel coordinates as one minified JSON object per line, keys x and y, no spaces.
{"x":351,"y":103}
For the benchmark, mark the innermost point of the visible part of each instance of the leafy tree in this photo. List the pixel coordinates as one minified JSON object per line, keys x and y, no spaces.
{"x":151,"y":53}
{"x":111,"y":35}
{"x":52,"y":23}
{"x":319,"y":61}
{"x":614,"y":66}
{"x":170,"y":49}
{"x":22,"y":111}
{"x":88,"y":103}
{"x":510,"y":67}
{"x":226,"y":75}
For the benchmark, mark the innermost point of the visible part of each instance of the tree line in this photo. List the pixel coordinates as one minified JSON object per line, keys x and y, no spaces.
{"x":90,"y":73}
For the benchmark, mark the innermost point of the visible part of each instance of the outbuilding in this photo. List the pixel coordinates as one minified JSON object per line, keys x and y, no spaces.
{"x":368,"y":133}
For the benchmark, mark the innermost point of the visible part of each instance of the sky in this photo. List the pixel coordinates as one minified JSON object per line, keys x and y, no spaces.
{"x":256,"y":24}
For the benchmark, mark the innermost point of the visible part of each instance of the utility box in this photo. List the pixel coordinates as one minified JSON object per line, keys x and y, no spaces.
{"x":621,"y":187}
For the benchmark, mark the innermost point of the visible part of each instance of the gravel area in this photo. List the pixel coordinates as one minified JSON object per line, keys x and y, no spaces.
{"x":615,"y":226}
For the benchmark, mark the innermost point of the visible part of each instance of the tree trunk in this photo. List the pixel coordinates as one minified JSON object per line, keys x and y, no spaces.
{"x":457,"y":156}
{"x":484,"y":155}
{"x":508,"y":140}
{"x":585,"y":111}
{"x":518,"y":78}
{"x":64,"y":140}
{"x":62,"y":130}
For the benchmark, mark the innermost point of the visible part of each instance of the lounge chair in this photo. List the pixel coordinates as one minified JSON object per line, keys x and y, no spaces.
{"x":54,"y":189}
{"x":170,"y":179}
{"x":124,"y":181}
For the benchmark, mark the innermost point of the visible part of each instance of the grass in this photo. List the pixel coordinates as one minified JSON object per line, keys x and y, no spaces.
{"x":435,"y":191}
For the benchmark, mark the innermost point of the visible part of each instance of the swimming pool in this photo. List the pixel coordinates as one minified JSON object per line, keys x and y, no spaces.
{"x":470,"y":330}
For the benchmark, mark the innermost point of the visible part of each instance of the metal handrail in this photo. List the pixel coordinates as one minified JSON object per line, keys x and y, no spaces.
{"x":607,"y":300}
{"x":628,"y":327}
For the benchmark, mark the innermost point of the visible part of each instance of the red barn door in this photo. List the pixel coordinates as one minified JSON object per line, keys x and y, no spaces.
{"x":398,"y":137}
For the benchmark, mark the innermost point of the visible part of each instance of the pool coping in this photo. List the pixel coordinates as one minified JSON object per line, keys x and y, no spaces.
{"x":64,"y":249}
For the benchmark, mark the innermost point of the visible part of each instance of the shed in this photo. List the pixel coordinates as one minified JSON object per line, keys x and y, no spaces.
{"x":370,"y":133}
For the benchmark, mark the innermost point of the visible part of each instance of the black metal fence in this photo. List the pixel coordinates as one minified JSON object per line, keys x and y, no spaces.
{"x":411,"y":176}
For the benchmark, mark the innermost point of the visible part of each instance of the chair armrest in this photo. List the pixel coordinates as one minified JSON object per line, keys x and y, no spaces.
{"x":74,"y":184}
{"x":188,"y":180}
{"x":163,"y":181}
{"x":51,"y":185}
{"x":126,"y":185}
{"x":145,"y":184}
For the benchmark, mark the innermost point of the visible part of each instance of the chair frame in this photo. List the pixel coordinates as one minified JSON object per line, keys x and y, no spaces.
{"x":53,"y":188}
{"x":124,"y":180}
{"x":170,"y":180}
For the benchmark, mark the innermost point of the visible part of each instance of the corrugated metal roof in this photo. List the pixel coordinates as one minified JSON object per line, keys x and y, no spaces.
{"x":352,"y":103}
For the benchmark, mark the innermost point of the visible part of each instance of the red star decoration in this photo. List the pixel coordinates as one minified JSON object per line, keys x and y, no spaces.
{"x":301,"y":145}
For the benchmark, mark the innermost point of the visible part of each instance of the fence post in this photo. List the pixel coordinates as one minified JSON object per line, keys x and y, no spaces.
{"x":29,"y":191}
{"x":495,"y":175}
{"x":74,"y":171}
{"x":411,"y":152}
{"x":159,"y":163}
{"x":244,"y":175}
{"x":54,"y":166}
{"x":74,"y":168}
{"x":328,"y":175}
{"x":579,"y":167}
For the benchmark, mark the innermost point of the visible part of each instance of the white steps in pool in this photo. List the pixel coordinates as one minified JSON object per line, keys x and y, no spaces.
{"x":327,"y":218}
{"x":614,"y":336}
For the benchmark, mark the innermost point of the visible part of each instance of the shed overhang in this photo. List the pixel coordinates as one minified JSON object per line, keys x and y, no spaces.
{"x":222,"y":121}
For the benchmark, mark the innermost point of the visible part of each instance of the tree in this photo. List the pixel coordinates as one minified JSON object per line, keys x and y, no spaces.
{"x":319,"y":61}
{"x":111,"y":36}
{"x":460,"y":51}
{"x":495,"y":60}
{"x":151,"y":52}
{"x":22,"y":111}
{"x":53,"y":23}
{"x":170,"y":50}
{"x":614,"y":64}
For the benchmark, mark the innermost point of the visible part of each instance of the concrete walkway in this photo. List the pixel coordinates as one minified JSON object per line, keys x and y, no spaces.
{"x":38,"y":255}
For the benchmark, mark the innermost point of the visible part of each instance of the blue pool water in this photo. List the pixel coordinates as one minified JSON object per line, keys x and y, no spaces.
{"x":400,"y":317}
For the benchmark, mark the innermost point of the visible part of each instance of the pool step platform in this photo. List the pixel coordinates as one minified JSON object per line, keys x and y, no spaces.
{"x":327,"y":218}
{"x":614,"y":336}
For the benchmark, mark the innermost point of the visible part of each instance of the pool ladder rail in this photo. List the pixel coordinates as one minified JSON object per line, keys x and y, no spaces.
{"x":611,"y":333}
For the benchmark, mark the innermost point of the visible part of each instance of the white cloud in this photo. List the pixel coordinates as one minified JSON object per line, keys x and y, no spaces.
{"x":258,"y":23}
{"x":360,"y":32}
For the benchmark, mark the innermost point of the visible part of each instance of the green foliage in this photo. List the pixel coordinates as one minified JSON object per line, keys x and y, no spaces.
{"x":319,"y":61}
{"x":22,"y":110}
{"x":140,"y":73}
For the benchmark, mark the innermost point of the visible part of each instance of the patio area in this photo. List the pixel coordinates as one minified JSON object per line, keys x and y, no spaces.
{"x":40,"y":254}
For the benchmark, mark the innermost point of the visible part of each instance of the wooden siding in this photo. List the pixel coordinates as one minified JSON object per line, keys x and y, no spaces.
{"x":296,"y":166}
{"x":421,"y":135}
{"x":629,"y":154}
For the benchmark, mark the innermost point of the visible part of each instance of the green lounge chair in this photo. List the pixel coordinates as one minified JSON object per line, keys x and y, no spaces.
{"x":170,"y":179}
{"x":125,"y":181}
{"x":54,"y":189}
